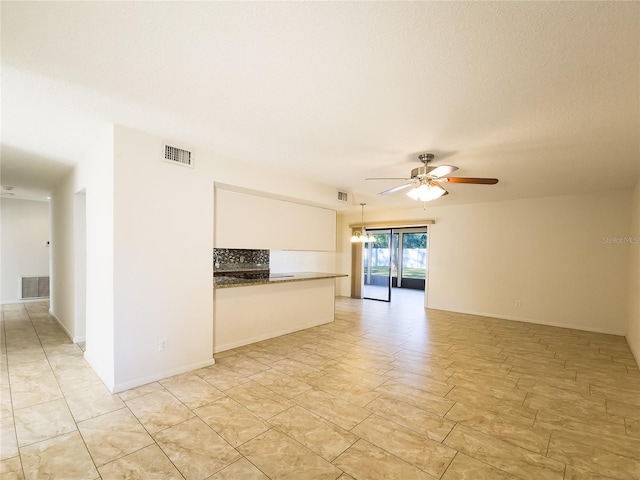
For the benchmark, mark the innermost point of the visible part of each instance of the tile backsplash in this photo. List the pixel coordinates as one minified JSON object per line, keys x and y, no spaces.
{"x":232,"y":256}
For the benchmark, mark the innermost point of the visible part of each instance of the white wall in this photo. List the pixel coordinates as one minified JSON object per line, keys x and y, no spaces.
{"x":68,"y":258}
{"x":633,"y":326}
{"x":163,"y":237}
{"x":82,"y":280}
{"x":25,"y":229}
{"x":546,"y":252}
{"x":281,"y":261}
{"x":62,"y":255}
{"x":94,"y":176}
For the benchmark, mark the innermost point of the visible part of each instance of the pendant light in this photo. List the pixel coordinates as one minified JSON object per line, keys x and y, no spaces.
{"x":361,"y":236}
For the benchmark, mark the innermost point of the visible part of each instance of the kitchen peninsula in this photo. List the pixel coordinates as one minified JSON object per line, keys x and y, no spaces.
{"x":251,"y":305}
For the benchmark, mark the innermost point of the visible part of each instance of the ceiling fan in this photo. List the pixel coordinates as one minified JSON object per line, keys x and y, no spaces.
{"x":427,"y":180}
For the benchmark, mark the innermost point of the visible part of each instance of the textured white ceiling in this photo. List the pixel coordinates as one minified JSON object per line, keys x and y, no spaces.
{"x":543,"y":95}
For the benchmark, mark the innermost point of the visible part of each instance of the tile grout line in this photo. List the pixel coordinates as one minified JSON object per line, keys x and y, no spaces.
{"x":64,"y":396}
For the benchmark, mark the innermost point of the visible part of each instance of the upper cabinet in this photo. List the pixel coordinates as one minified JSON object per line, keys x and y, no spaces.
{"x":253,"y":222}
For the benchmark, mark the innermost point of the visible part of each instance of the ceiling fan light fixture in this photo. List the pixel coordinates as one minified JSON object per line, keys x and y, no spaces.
{"x":426,"y":192}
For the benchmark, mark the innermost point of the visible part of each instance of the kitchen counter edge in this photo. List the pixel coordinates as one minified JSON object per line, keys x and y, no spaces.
{"x":232,"y":282}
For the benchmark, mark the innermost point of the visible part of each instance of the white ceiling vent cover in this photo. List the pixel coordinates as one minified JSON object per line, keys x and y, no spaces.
{"x":343,"y":197}
{"x":177,"y":156}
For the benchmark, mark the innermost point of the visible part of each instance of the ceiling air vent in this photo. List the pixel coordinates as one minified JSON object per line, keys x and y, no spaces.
{"x":343,"y":197}
{"x":178,"y":156}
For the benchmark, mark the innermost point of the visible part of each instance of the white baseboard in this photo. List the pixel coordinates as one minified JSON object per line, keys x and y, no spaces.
{"x":80,"y":338}
{"x":24,"y":300}
{"x":64,"y":328}
{"x":121,"y":387}
{"x":106,"y":379}
{"x":535,"y":321}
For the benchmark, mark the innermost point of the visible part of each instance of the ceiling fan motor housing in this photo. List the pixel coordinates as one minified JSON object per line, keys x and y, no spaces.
{"x":421,"y":171}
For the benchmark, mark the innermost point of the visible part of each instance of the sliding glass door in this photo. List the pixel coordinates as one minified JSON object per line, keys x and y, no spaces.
{"x":377,"y":264}
{"x":396,"y":259}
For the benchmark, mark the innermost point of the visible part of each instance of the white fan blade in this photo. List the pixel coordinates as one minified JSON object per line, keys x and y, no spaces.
{"x":395,"y":189}
{"x":387,"y":178}
{"x":442,"y":171}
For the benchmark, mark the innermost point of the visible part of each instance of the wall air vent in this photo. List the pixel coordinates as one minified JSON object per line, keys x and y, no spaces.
{"x":34,"y":287}
{"x":343,"y":197}
{"x":177,"y":156}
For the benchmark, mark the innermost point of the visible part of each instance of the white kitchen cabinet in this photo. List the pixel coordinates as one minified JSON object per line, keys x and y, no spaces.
{"x":254,"y":222}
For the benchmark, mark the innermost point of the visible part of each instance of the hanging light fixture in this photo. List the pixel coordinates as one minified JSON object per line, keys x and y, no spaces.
{"x":426,"y":191}
{"x":361,"y":236}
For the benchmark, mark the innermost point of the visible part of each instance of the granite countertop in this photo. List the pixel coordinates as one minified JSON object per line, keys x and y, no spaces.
{"x":229,"y":281}
{"x":241,"y":267}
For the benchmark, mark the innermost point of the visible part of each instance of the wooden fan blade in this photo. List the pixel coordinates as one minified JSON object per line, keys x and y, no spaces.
{"x":442,"y":171}
{"x":480,"y":181}
{"x":395,"y":189}
{"x":387,"y":178}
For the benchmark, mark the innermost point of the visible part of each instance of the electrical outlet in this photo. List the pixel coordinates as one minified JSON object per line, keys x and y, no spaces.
{"x":517,"y":303}
{"x":162,"y":344}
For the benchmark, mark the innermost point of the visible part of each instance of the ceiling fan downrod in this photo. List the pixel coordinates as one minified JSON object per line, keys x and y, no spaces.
{"x":425,"y":157}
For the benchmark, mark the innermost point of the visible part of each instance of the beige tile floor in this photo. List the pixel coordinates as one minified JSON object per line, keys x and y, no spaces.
{"x":387,"y":391}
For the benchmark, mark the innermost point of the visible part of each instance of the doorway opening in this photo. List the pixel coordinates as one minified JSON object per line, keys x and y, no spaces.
{"x":395,"y":262}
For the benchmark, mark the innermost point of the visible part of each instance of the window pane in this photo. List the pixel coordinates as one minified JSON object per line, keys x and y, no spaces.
{"x":380,"y":255}
{"x":414,"y":255}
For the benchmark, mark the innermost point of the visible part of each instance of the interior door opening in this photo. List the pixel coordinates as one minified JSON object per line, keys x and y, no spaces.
{"x":396,"y":260}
